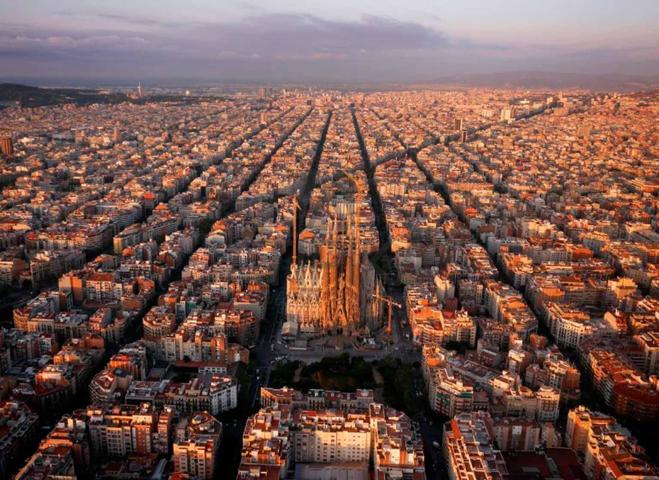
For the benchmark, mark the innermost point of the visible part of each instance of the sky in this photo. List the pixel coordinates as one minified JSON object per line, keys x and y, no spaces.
{"x":323,"y":41}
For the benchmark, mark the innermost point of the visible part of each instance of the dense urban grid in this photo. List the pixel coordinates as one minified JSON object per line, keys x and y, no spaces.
{"x":319,"y":284}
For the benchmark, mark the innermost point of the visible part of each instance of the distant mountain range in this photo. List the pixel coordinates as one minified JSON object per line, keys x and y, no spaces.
{"x":553,"y":80}
{"x":28,"y":96}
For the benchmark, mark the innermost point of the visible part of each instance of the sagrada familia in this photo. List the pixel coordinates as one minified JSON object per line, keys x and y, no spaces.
{"x":335,"y":295}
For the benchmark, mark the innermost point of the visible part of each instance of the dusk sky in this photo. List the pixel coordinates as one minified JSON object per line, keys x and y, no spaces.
{"x":334,"y":41}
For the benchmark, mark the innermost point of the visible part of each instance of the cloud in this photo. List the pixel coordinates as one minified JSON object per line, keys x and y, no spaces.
{"x":269,"y":41}
{"x":264,"y":46}
{"x":282,"y":36}
{"x":57,"y":44}
{"x":131,"y":20}
{"x":271,"y":36}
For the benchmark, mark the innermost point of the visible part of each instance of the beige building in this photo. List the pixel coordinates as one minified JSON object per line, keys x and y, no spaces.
{"x":329,"y":443}
{"x":329,"y":437}
{"x":196,"y":444}
{"x":469,"y":450}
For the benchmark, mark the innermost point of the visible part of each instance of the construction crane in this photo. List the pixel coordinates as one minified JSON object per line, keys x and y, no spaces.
{"x":390,"y":304}
{"x":296,"y":208}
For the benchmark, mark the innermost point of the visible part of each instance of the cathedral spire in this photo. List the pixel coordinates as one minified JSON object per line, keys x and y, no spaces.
{"x":349,"y":271}
{"x":328,"y":230}
{"x":334,"y":232}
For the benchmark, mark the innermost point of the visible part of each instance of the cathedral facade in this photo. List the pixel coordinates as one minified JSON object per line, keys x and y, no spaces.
{"x":334,"y":295}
